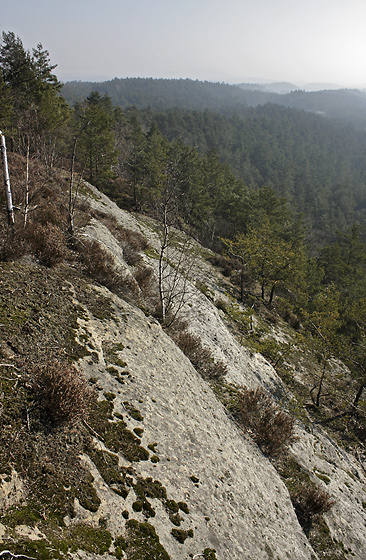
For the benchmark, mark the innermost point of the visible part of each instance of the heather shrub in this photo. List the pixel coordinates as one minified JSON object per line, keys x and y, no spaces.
{"x":13,"y":245}
{"x":200,"y":357}
{"x":310,"y":501}
{"x":47,"y":242}
{"x":143,"y":277}
{"x":99,"y":264}
{"x":227,"y":265}
{"x":60,"y":392}
{"x":221,"y":304}
{"x":272,"y":429}
{"x":132,"y":242}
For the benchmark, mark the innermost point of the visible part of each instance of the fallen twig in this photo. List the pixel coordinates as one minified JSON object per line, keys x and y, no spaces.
{"x":11,"y":555}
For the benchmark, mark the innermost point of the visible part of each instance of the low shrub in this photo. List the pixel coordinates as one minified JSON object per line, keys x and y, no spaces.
{"x":60,"y":392}
{"x":272,"y":429}
{"x":13,"y":245}
{"x":132,"y":242}
{"x":221,"y":304}
{"x":227,"y":265}
{"x":99,"y":264}
{"x":310,"y":501}
{"x":47,"y":242}
{"x":200,"y":357}
{"x":143,"y":277}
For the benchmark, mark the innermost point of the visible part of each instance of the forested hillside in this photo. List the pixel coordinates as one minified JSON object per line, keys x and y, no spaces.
{"x":310,"y":152}
{"x":162,"y":94}
{"x":345,"y":105}
{"x":317,"y":165}
{"x":286,"y":220}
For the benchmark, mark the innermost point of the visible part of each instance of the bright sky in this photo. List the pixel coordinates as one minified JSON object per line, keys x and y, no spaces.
{"x":299,"y":41}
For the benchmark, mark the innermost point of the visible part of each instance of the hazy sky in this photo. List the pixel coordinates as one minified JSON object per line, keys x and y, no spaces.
{"x":231,"y":41}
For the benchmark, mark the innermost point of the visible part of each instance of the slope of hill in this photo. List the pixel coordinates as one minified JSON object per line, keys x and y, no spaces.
{"x":146,"y":458}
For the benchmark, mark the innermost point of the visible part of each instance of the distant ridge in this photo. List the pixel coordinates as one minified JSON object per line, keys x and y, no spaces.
{"x":275,"y":87}
{"x":347,"y":105}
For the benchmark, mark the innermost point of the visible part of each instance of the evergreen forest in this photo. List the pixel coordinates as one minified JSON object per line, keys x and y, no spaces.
{"x":279,"y":193}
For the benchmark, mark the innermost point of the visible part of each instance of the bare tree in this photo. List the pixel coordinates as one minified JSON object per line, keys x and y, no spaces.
{"x":176,"y":256}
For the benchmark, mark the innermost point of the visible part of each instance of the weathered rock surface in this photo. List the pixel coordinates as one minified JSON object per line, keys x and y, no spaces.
{"x":239,"y":506}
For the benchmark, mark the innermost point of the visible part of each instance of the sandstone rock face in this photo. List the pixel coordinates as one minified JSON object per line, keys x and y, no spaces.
{"x":238,"y":504}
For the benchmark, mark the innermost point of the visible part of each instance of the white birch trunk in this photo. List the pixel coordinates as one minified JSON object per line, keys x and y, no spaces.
{"x":9,"y":200}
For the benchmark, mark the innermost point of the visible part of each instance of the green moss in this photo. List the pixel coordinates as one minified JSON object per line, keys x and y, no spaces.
{"x":183,"y":506}
{"x":172,"y":506}
{"x":181,"y":535}
{"x":204,"y":289}
{"x":90,"y":539}
{"x":87,"y":495}
{"x":155,"y":459}
{"x":121,"y":542}
{"x":148,"y":509}
{"x":22,"y":515}
{"x":137,"y":506}
{"x":108,"y":467}
{"x":100,"y":306}
{"x":152,"y":253}
{"x":151,"y":489}
{"x":109,"y":396}
{"x":175,"y":519}
{"x":133,"y":412}
{"x":292,"y":474}
{"x":143,"y":542}
{"x":94,"y":357}
{"x":116,"y":435}
{"x":323,"y":544}
{"x":322,"y":476}
{"x":112,"y":370}
{"x":209,"y":554}
{"x":40,"y":549}
{"x":194,"y":479}
{"x":139,"y":432}
{"x":110,"y":351}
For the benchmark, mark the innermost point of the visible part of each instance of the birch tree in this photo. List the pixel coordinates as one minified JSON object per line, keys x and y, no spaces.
{"x":8,"y":195}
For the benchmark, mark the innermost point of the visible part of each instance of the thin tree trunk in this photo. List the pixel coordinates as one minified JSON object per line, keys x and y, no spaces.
{"x":270,"y":300}
{"x":26,"y":198}
{"x":163,"y":247}
{"x":321,"y":383}
{"x":358,"y":396}
{"x":71,"y":205}
{"x":9,"y":200}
